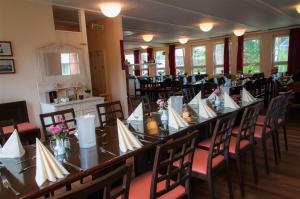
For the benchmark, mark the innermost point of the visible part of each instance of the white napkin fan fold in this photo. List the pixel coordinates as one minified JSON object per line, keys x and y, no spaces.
{"x":175,"y":120}
{"x":137,"y":114}
{"x":47,"y":166}
{"x":127,"y":141}
{"x":13,"y":147}
{"x":229,"y":102}
{"x":247,"y":97}
{"x":205,"y":111}
{"x":196,"y":99}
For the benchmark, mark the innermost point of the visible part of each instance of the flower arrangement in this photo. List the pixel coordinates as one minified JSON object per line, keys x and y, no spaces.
{"x":162,"y":104}
{"x":59,"y":131}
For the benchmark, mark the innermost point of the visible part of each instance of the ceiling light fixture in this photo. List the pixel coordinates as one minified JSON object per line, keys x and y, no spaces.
{"x":144,"y":47}
{"x":183,"y":40}
{"x":110,"y":9}
{"x":239,"y":32}
{"x":205,"y":27}
{"x":148,"y":38}
{"x":298,"y":9}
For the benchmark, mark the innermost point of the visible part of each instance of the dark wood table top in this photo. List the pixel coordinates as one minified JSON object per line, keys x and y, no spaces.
{"x":151,"y":132}
{"x":90,"y":160}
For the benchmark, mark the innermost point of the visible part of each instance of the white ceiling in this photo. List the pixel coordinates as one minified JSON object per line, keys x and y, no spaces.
{"x":170,"y":19}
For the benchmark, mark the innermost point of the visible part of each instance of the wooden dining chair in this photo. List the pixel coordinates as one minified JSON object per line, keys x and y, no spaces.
{"x":242,"y":142}
{"x":266,"y":128}
{"x":188,"y":94}
{"x":103,"y":184}
{"x":55,"y":118}
{"x":3,"y":125}
{"x":209,"y":161}
{"x":207,"y":89}
{"x":167,"y":180}
{"x":109,"y":112}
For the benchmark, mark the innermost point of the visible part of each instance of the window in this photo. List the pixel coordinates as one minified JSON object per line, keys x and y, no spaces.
{"x":69,"y":63}
{"x":144,"y":58}
{"x":179,"y":60}
{"x":219,"y":58}
{"x":251,"y":56}
{"x":161,"y":62}
{"x":130,"y":59}
{"x":199,"y":60}
{"x":280,"y":53}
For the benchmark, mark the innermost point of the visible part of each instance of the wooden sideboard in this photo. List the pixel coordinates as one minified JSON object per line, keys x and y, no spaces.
{"x":81,"y":107}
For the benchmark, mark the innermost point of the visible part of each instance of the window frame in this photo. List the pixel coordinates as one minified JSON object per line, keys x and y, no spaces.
{"x":214,"y":58}
{"x":181,"y":68}
{"x":274,"y":63}
{"x":157,"y":65}
{"x":196,"y":66}
{"x":256,"y":64}
{"x":143,"y":66}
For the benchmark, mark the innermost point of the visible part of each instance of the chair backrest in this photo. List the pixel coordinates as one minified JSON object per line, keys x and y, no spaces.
{"x":55,"y":118}
{"x":14,"y":110}
{"x":188,"y":94}
{"x":247,"y":125}
{"x":181,"y":150}
{"x":105,"y":184}
{"x":273,"y":113}
{"x":221,"y":138}
{"x":5,"y":123}
{"x":134,"y":101}
{"x":109,"y":112}
{"x":207,"y":89}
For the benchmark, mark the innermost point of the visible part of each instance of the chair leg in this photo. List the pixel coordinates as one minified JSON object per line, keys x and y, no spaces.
{"x":278,"y":144}
{"x":239,"y":170}
{"x":229,"y":184}
{"x":188,"y":188}
{"x":264,"y":145}
{"x":254,"y":164}
{"x":285,"y":137}
{"x":274,"y":146}
{"x":211,"y":186}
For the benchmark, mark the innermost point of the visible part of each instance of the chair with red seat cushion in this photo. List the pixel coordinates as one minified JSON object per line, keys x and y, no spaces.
{"x":209,"y":162}
{"x":268,"y":130}
{"x":105,"y":184}
{"x":242,"y":141}
{"x":169,"y":183}
{"x":3,"y":131}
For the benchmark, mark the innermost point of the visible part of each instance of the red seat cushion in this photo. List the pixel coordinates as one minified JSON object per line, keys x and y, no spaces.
{"x":261,"y":120}
{"x":235,"y":130}
{"x":205,"y":143}
{"x":201,"y":160}
{"x":22,"y":128}
{"x":232,"y":146}
{"x":259,"y":131}
{"x":141,"y":185}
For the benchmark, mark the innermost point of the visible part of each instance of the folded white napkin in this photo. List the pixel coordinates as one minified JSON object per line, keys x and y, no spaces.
{"x":247,"y":97}
{"x":47,"y":167}
{"x":137,"y":114}
{"x":13,"y":147}
{"x":204,"y":110}
{"x":212,"y":96}
{"x":185,"y":81}
{"x":194,"y":79}
{"x":175,"y":102}
{"x":229,"y":102}
{"x":196,"y":99}
{"x":127,"y":141}
{"x":175,"y":120}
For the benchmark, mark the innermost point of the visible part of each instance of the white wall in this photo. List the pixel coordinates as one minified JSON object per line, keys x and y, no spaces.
{"x":28,"y":26}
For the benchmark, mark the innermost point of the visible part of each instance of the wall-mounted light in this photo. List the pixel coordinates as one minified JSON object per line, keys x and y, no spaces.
{"x":239,"y":32}
{"x":183,"y":40}
{"x":144,"y":47}
{"x":206,"y":27}
{"x":110,"y":9}
{"x":148,"y":37}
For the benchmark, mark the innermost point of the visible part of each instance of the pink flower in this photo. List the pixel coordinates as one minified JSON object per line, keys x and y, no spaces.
{"x":55,"y":129}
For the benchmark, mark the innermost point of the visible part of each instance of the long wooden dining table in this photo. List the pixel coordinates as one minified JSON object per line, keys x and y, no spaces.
{"x":151,"y":132}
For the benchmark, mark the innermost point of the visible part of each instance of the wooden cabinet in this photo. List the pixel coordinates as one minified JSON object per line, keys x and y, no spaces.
{"x":81,"y":107}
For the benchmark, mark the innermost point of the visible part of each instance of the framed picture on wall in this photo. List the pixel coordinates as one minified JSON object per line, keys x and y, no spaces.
{"x":5,"y":48}
{"x":7,"y":66}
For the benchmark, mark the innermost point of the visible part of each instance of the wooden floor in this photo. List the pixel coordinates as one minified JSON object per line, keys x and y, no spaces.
{"x":282,"y":183}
